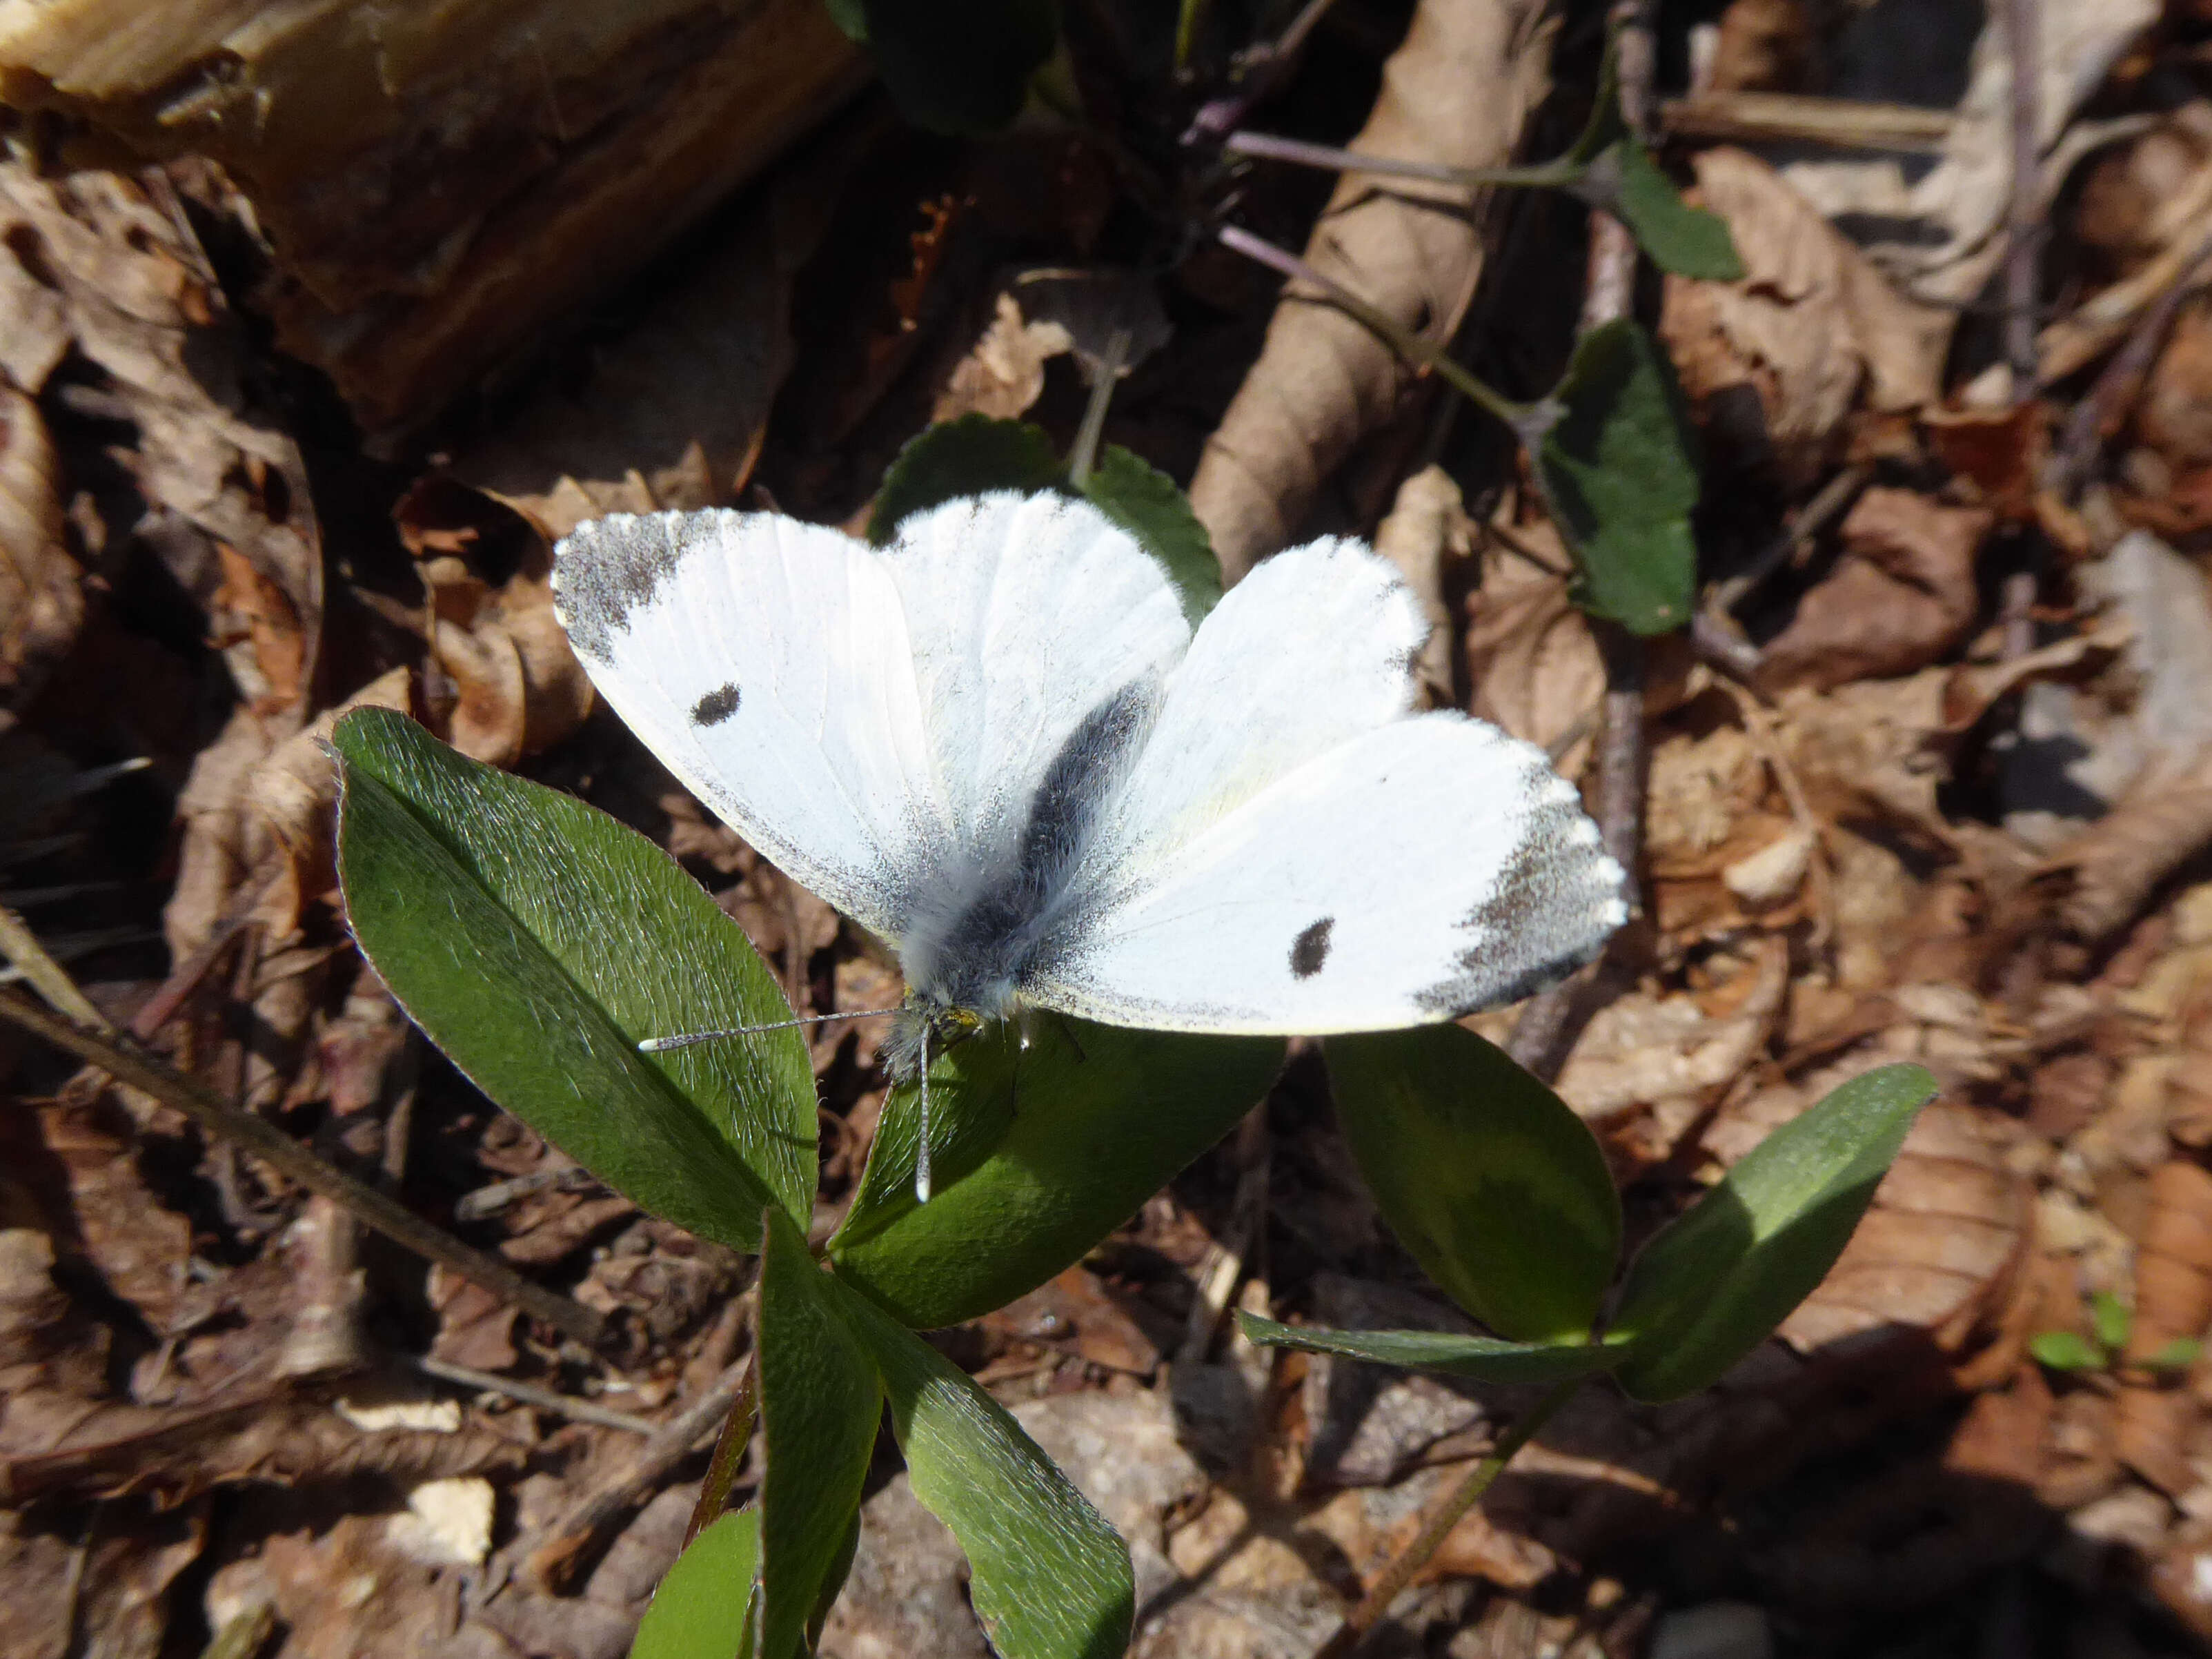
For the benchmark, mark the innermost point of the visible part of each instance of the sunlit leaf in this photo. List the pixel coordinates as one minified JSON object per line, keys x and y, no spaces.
{"x":2111,"y":1318}
{"x":1051,"y":1579}
{"x":2179,"y":1355}
{"x":970,"y":456}
{"x":2065,"y":1350}
{"x":1715,"y":1282}
{"x":536,"y":940}
{"x":1618,"y":470}
{"x":1144,"y":501}
{"x":704,"y":1606}
{"x":1488,"y":1178}
{"x":820,"y":1405}
{"x":1039,"y":1153}
{"x":1486,"y":1358}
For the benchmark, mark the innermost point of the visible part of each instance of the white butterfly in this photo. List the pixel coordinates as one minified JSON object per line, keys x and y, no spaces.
{"x":997,"y":744}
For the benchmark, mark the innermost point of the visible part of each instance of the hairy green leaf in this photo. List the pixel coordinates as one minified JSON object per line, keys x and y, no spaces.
{"x":970,"y":456}
{"x":1619,"y":472}
{"x":1051,"y":1578}
{"x":820,"y":1405}
{"x":1486,"y":1358}
{"x":1144,"y":501}
{"x":1039,"y":1153}
{"x":1488,"y":1178}
{"x":1715,"y":1282}
{"x":535,"y":941}
{"x":704,"y":1606}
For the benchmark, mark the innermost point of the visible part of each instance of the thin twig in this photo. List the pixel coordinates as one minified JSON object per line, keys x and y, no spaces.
{"x":1267,"y":147}
{"x":1528,"y":419}
{"x":2024,"y":222}
{"x":551,"y":1400}
{"x":290,"y":1158}
{"x":576,"y":1538}
{"x":185,"y":978}
{"x":48,"y":977}
{"x":1833,"y":498}
{"x":1783,"y":117}
{"x":1435,"y":1524}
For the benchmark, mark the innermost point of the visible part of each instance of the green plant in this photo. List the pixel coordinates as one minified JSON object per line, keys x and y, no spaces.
{"x":2112,"y":1320}
{"x":537,"y":941}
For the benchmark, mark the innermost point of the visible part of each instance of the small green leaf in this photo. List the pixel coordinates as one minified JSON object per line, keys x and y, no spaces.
{"x":535,"y":941}
{"x":2110,"y":1319}
{"x":851,"y":18}
{"x":820,"y":1405}
{"x":703,"y":1608}
{"x":1484,"y":1358}
{"x":964,"y":68}
{"x":1491,"y":1182}
{"x":2177,"y":1355}
{"x":1144,"y":501}
{"x":971,"y":456}
{"x":1051,"y":1578}
{"x":2065,"y":1350}
{"x":1715,"y":1282}
{"x":1039,"y":1153}
{"x":1686,"y":241}
{"x":1620,"y":472}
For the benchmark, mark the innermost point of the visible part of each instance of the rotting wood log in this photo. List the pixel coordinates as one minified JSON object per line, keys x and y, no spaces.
{"x":433,"y":184}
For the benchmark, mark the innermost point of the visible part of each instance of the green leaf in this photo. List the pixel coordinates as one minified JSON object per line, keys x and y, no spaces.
{"x":2065,"y":1350}
{"x":851,"y":18}
{"x":1686,"y":241}
{"x":1051,"y":1578}
{"x":970,"y":456}
{"x":1039,"y":1153}
{"x":820,"y":1405}
{"x":963,"y":67}
{"x":535,"y":941}
{"x":1715,"y":1282}
{"x":2177,"y":1355}
{"x":1484,"y":1358}
{"x":1144,"y":501}
{"x":704,"y":1606}
{"x":2110,"y":1319}
{"x":1618,"y":470}
{"x":1491,"y":1182}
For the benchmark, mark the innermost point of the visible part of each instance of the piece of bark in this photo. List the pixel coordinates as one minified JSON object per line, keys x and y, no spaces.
{"x":436,"y":184}
{"x":1459,"y":91}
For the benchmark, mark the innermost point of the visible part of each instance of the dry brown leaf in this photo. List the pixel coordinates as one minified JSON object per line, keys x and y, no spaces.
{"x":1458,"y":91}
{"x":41,"y":604}
{"x":2173,"y":416}
{"x":1902,"y":595}
{"x":1531,"y":660}
{"x":1003,"y":372}
{"x":1765,"y":45}
{"x":101,"y":1206}
{"x":675,"y":408}
{"x":1812,"y":328}
{"x":1073,"y":1313}
{"x":2136,"y":195}
{"x":106,"y":1592}
{"x":1665,"y":1053}
{"x":2172,"y":1302}
{"x":1427,"y":525}
{"x":141,"y":304}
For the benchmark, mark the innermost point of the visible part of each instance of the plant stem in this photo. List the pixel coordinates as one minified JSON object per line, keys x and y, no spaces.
{"x":1440,"y":1520}
{"x":1544,"y":175}
{"x":729,"y":1458}
{"x":1528,"y":421}
{"x":2023,"y":38}
{"x":1084,"y":454}
{"x":272,"y":1145}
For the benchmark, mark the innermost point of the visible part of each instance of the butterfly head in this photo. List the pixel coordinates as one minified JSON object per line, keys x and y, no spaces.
{"x":925,"y":1025}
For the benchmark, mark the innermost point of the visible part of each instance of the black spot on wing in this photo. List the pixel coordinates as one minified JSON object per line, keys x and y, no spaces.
{"x":604,"y":570}
{"x":716,"y":706}
{"x":1310,"y":949}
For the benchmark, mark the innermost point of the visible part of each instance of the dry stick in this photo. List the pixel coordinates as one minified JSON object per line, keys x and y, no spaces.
{"x":2023,"y":33}
{"x":1835,"y":496}
{"x":530,"y":1393}
{"x":273,"y":1146}
{"x":184,"y":979}
{"x":1770,"y":117}
{"x":576,"y":1536}
{"x":1438,"y":1522}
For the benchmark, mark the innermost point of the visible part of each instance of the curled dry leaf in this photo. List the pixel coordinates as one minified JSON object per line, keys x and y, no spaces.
{"x":2172,"y":1304}
{"x":674,"y":410}
{"x":1003,"y":373}
{"x":1812,"y":330}
{"x":41,"y":604}
{"x":228,"y":507}
{"x":1425,"y":526}
{"x":1667,"y":1053}
{"x":1902,"y":595}
{"x":1458,"y":91}
{"x":1531,"y":660}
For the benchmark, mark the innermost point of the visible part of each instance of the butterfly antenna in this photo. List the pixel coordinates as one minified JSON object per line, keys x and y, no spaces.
{"x":662,"y":1045}
{"x":921,"y":1151}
